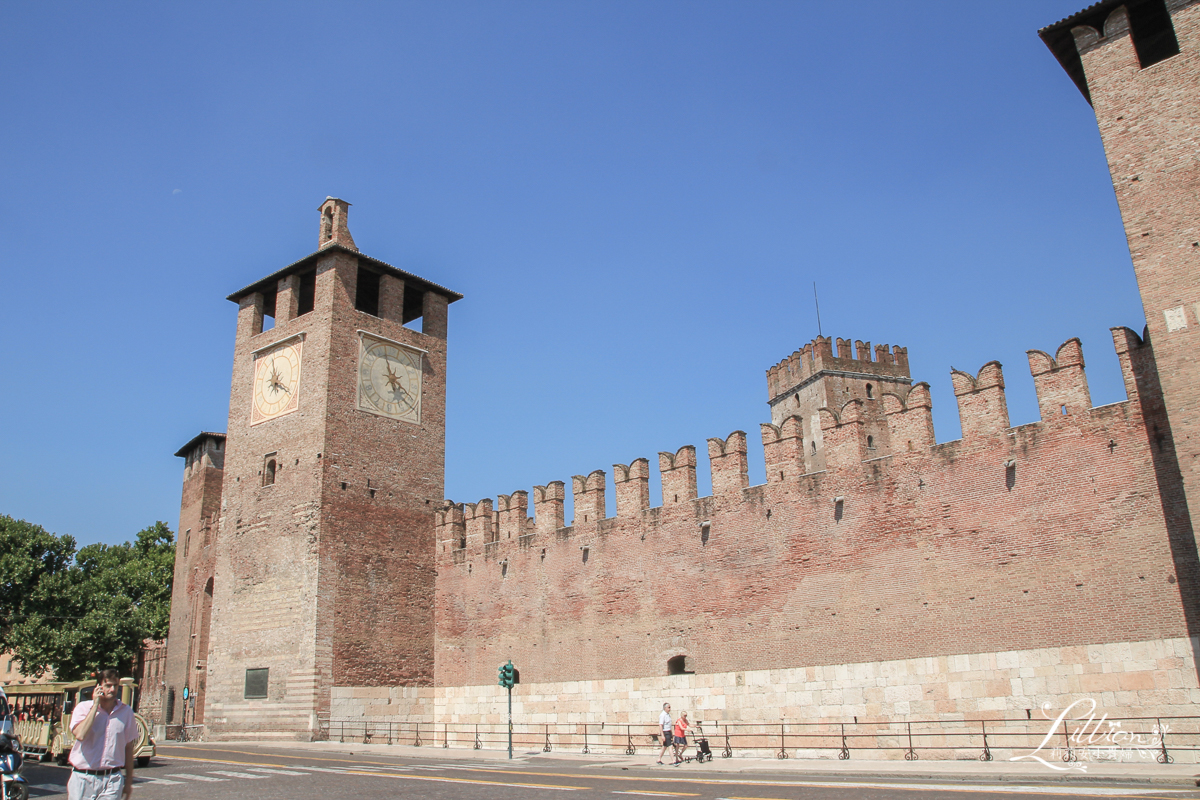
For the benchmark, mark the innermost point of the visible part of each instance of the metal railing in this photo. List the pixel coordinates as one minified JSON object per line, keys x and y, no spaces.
{"x":1140,"y":738}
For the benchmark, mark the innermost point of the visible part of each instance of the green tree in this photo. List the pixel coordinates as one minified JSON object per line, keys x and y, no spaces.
{"x":29,"y":556}
{"x":96,"y":613}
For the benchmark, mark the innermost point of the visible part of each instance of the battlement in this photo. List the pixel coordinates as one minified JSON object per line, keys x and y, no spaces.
{"x":890,"y":433}
{"x":853,"y":358}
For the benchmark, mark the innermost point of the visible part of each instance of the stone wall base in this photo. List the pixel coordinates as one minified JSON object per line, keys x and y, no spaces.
{"x":948,"y":700}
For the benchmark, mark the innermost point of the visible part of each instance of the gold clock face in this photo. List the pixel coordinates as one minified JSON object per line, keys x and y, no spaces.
{"x":276,"y":382}
{"x":389,"y":379}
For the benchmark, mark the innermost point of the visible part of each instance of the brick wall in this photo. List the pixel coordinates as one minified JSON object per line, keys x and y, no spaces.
{"x":1051,"y":534}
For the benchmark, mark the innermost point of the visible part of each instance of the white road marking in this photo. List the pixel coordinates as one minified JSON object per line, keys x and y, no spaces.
{"x":662,"y":794}
{"x":187,"y":776}
{"x":274,"y":771}
{"x":159,"y":781}
{"x":232,"y":774}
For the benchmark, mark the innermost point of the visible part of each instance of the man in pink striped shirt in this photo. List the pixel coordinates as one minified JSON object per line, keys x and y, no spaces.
{"x":105,"y":737}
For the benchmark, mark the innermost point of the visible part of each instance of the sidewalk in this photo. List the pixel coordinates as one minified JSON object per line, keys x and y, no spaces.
{"x":1145,"y":773}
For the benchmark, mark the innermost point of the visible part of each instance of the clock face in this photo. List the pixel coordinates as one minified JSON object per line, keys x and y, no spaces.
{"x":276,"y":382}
{"x":389,"y":379}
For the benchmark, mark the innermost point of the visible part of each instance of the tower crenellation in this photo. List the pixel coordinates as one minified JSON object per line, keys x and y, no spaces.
{"x":982,"y":409}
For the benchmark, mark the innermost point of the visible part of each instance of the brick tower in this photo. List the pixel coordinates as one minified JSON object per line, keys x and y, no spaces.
{"x":814,"y":377}
{"x":1138,"y":64}
{"x":334,"y":464}
{"x":191,"y":590}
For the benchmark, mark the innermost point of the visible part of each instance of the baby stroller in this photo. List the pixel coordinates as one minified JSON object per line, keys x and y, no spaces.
{"x":703,"y":752}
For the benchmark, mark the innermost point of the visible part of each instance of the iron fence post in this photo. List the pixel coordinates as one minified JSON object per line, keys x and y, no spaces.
{"x":782,"y":742}
{"x":844,"y":755}
{"x":1163,"y":757}
{"x":987,"y":751}
{"x":910,"y":754}
{"x":1069,"y":756}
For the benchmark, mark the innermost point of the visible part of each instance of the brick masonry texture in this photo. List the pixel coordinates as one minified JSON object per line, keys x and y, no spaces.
{"x":1046,"y":535}
{"x":875,"y":574}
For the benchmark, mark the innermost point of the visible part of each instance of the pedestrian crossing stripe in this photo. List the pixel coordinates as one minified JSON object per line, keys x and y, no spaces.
{"x":192,"y":777}
{"x":158,"y":781}
{"x":232,"y":774}
{"x":275,"y":771}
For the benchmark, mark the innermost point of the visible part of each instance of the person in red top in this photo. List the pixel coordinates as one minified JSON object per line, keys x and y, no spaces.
{"x":105,"y":737}
{"x":680,"y":736}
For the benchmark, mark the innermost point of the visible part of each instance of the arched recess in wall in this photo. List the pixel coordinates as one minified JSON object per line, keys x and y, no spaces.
{"x":200,"y":675}
{"x":678,"y":665}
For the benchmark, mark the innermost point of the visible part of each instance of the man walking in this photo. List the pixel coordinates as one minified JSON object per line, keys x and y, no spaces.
{"x":105,"y":737}
{"x":664,"y":723}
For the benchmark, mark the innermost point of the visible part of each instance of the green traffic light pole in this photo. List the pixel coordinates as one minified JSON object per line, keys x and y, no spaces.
{"x":507,"y":679}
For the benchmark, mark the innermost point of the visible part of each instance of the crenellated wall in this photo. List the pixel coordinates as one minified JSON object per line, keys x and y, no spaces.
{"x":1047,"y":535}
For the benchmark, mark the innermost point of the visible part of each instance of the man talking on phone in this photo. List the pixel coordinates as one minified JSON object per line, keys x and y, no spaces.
{"x":105,"y":737}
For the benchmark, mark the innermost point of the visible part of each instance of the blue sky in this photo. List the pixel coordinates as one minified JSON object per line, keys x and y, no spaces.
{"x":635,"y":199}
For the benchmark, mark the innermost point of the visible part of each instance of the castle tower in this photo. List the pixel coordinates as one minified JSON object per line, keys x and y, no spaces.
{"x":191,"y":591}
{"x":814,"y":377}
{"x":1138,"y":64}
{"x":334,"y":466}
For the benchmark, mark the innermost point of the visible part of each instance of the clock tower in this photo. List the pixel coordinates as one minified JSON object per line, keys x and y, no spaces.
{"x":334,"y":464}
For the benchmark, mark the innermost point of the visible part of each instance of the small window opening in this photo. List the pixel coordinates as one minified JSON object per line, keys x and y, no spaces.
{"x":585,"y":517}
{"x":1153,"y":33}
{"x":187,"y":541}
{"x":327,"y":225}
{"x":256,"y":684}
{"x":813,"y":445}
{"x":677,"y":665}
{"x":503,"y":569}
{"x":705,"y":530}
{"x":870,"y":392}
{"x":308,"y":293}
{"x":1063,"y":409}
{"x":344,"y":486}
{"x":676,"y":498}
{"x":462,"y":543}
{"x":269,"y":310}
{"x":586,"y":552}
{"x":780,"y":474}
{"x":870,"y":442}
{"x":269,"y":472}
{"x":366,"y":295}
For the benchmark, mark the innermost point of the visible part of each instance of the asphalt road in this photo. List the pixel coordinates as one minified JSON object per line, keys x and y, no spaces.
{"x":216,"y":772}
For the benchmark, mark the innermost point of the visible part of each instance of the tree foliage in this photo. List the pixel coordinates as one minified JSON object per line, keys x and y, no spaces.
{"x":28,"y":555}
{"x":94,"y":611}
